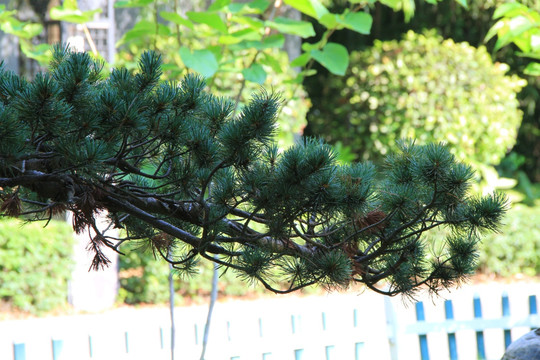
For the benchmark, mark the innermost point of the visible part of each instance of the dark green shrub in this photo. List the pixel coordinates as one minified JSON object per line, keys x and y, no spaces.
{"x":516,"y":248}
{"x":426,"y":88}
{"x":35,"y":264}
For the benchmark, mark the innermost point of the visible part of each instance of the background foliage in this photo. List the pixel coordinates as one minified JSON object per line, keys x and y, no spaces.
{"x":143,"y":279}
{"x":461,"y":24}
{"x":516,"y":248}
{"x":35,"y":264}
{"x":426,"y":89}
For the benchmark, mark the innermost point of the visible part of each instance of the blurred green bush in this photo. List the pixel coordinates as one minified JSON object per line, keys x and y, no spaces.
{"x":426,"y":88}
{"x":461,"y":24}
{"x":516,"y":248}
{"x":35,"y":264}
{"x":144,"y":279}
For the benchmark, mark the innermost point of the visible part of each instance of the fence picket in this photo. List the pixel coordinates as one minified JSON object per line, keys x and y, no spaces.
{"x":480,"y":347}
{"x":421,"y":317}
{"x":449,"y":315}
{"x":533,"y":309}
{"x":506,"y":313}
{"x":57,"y":349}
{"x":19,"y":352}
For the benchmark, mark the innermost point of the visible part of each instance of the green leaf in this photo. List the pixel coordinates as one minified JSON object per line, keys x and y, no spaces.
{"x":235,"y":8}
{"x":494,"y":30}
{"x":41,"y":53}
{"x":463,"y":3}
{"x":509,"y":9}
{"x":301,"y":60}
{"x":218,"y":5}
{"x":358,"y":21}
{"x":313,"y":8}
{"x":217,"y":50}
{"x":273,"y":41}
{"x":307,"y":47}
{"x":202,"y":61}
{"x":531,"y":55}
{"x":255,"y":73}
{"x":303,"y":29}
{"x":533,"y":69}
{"x":21,"y":29}
{"x":211,"y":19}
{"x":253,"y":23}
{"x":176,"y":19}
{"x":408,"y":7}
{"x":333,"y":57}
{"x":132,"y":3}
{"x":6,"y":15}
{"x":142,"y":30}
{"x":70,"y":12}
{"x":247,"y":34}
{"x":272,"y":62}
{"x":330,"y":21}
{"x":516,"y":27}
{"x":260,"y":5}
{"x":394,"y":4}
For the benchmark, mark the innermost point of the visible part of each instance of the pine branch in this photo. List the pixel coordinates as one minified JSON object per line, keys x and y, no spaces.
{"x":148,"y":153}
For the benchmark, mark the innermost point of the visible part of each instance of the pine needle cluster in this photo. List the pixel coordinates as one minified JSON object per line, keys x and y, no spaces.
{"x":175,"y":168}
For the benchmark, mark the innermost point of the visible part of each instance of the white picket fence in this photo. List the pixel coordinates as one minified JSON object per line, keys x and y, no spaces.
{"x":473,"y":323}
{"x":332,"y":327}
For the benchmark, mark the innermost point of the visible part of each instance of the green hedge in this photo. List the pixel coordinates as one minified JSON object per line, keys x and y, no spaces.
{"x":426,"y":88}
{"x":516,"y":248}
{"x":144,"y":279}
{"x":35,"y":264}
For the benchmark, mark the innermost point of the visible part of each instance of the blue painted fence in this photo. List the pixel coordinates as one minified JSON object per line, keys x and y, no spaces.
{"x":422,"y":328}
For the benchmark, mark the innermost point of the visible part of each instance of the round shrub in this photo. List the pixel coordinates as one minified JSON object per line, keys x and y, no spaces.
{"x":35,"y":264}
{"x":425,"y":88}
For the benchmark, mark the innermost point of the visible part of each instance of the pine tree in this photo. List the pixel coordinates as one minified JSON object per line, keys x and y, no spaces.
{"x":174,"y":168}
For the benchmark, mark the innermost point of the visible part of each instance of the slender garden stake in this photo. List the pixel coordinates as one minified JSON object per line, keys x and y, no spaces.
{"x":147,"y":151}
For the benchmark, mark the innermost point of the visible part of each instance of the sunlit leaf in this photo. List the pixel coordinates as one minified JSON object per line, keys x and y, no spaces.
{"x":330,"y":21}
{"x":202,"y":61}
{"x":533,"y":69}
{"x":21,"y":29}
{"x":218,"y":5}
{"x":132,"y":3}
{"x":463,"y":3}
{"x":301,"y":60}
{"x":142,"y":30}
{"x":211,"y":19}
{"x":509,"y":9}
{"x":271,"y":61}
{"x":260,"y":5}
{"x":313,"y":8}
{"x":333,"y":57}
{"x":176,"y":19}
{"x":70,"y":12}
{"x":358,"y":21}
{"x":303,"y":29}
{"x":255,"y":73}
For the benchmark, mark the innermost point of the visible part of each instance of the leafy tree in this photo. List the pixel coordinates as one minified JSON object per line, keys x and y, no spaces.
{"x":169,"y":164}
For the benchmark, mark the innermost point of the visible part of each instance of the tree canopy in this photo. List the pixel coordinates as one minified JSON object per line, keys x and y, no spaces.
{"x":175,"y":168}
